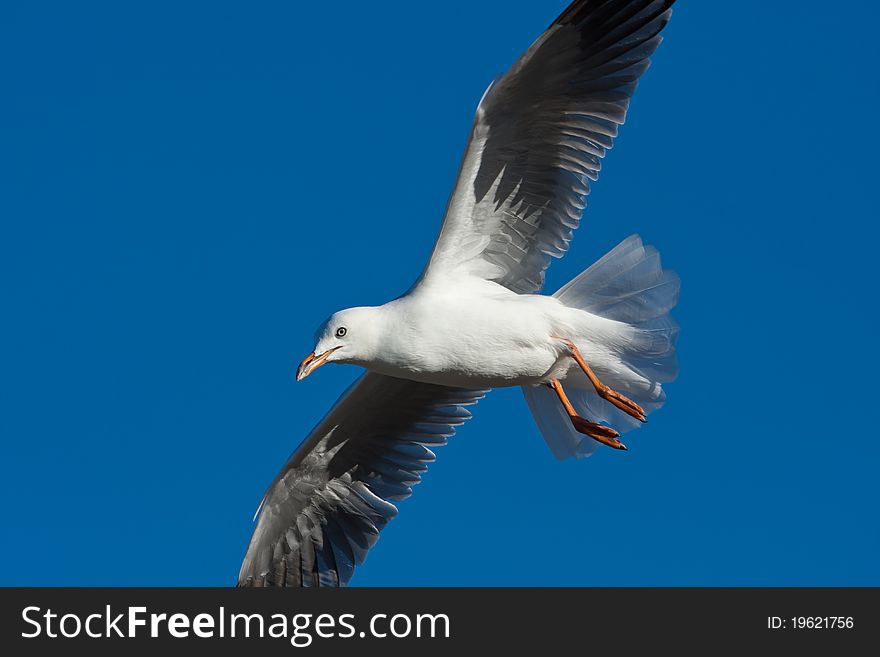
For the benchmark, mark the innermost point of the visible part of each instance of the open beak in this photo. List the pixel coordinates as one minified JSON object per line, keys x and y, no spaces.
{"x":311,"y":363}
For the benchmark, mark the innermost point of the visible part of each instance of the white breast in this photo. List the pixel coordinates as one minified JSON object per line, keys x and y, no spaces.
{"x":471,"y":335}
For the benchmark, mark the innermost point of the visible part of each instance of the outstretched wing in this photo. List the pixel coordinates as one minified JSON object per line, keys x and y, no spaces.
{"x":326,"y":507}
{"x":539,"y":136}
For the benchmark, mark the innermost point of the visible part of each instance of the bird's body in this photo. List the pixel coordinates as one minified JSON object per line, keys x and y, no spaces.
{"x":477,"y":334}
{"x":590,"y":359}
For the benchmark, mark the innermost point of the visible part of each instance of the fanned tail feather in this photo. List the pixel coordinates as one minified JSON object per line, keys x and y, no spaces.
{"x":629,"y":285}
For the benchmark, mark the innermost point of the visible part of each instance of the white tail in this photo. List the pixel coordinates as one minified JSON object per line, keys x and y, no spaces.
{"x":629,"y":285}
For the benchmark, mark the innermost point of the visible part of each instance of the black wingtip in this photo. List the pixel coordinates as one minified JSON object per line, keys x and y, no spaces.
{"x":579,"y":10}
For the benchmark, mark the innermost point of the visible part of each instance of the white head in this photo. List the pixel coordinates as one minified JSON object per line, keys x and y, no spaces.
{"x":349,"y":336}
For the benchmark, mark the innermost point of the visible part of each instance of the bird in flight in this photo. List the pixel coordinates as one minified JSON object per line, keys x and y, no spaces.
{"x":590,"y":359}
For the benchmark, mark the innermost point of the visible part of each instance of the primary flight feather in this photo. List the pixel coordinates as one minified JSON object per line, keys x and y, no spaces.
{"x":591,"y":359}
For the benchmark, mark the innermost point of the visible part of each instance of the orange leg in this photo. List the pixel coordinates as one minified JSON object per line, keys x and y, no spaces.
{"x":605,"y":435}
{"x":622,"y":402}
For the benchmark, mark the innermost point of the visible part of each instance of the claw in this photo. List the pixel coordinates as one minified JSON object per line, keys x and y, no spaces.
{"x":604,"y":434}
{"x":599,"y":432}
{"x":624,"y":403}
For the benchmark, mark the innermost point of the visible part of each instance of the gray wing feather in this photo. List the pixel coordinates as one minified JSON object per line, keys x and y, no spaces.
{"x":326,"y":507}
{"x":538,"y":139}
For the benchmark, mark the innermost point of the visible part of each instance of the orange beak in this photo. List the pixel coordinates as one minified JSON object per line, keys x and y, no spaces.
{"x":311,"y":363}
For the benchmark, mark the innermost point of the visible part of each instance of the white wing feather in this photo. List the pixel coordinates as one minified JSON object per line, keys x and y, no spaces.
{"x":539,"y":136}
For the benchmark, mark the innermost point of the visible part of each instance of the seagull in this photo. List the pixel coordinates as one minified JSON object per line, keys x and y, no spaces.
{"x":590,"y":359}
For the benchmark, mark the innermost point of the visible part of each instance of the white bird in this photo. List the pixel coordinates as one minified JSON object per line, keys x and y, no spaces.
{"x":591,"y":359}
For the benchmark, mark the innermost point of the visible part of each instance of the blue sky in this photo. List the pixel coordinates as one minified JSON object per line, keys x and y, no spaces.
{"x":188,"y":189}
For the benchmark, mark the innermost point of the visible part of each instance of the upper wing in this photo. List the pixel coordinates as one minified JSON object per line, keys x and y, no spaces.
{"x":326,"y":507}
{"x":539,"y":135}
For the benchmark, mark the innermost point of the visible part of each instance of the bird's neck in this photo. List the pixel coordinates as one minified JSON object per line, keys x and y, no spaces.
{"x":374,"y":336}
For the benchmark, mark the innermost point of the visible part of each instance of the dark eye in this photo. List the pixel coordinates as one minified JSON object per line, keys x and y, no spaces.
{"x":341,"y":331}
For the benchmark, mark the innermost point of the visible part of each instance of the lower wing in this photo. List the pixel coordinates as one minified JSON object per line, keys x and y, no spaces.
{"x":326,"y":507}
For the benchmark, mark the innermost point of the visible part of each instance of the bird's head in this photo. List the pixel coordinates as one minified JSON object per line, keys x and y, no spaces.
{"x":348,"y":336}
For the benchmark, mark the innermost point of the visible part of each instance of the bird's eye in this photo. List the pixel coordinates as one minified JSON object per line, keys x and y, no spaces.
{"x":341,"y":331}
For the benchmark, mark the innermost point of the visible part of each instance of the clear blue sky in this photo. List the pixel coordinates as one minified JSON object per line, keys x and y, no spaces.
{"x":188,"y":189}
